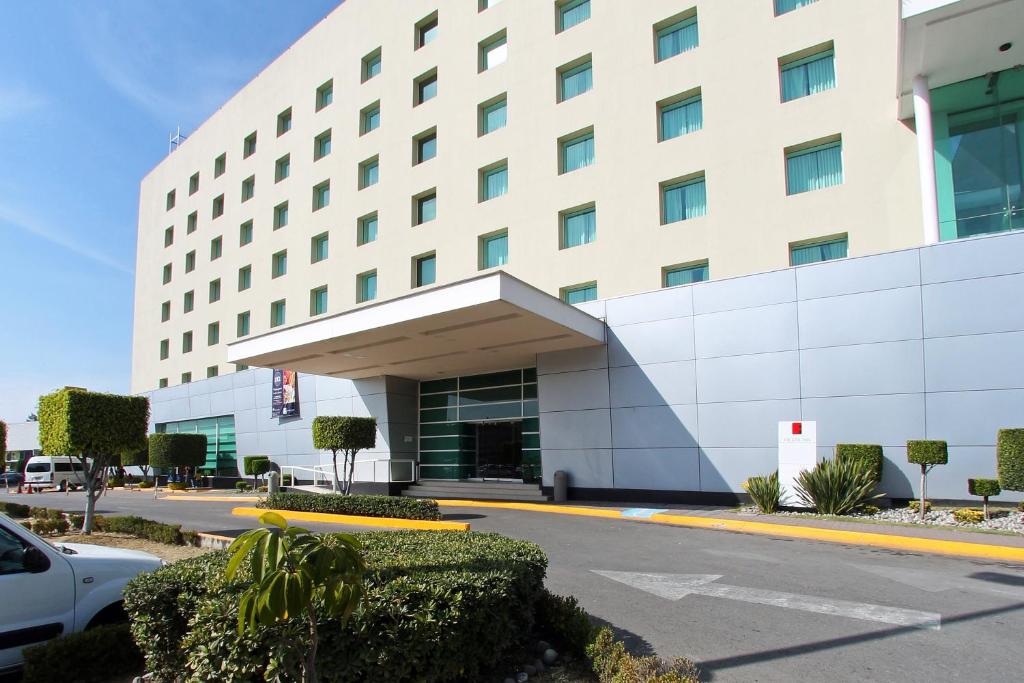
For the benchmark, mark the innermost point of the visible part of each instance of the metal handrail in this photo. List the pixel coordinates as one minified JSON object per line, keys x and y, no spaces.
{"x":380,"y":470}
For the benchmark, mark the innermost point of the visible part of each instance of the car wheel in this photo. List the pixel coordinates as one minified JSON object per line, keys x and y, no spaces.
{"x":111,"y":614}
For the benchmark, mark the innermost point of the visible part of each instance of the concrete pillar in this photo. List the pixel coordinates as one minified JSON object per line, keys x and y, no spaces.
{"x":926,"y":159}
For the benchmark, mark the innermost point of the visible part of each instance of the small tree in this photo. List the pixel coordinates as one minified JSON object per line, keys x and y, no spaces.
{"x":346,"y":434}
{"x":1010,"y":459}
{"x":297,"y":575}
{"x":94,"y":428}
{"x":869,"y":453}
{"x":255,"y":466}
{"x":984,"y":488}
{"x":927,"y":454}
{"x":137,"y":457}
{"x":173,"y":451}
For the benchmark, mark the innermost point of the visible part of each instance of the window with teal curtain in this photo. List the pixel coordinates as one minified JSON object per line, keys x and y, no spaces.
{"x":368,"y":229}
{"x":368,"y":286}
{"x":577,"y":81}
{"x":579,"y":295}
{"x":277,"y":313}
{"x":318,"y":301}
{"x":678,"y":38}
{"x":783,"y":6}
{"x":371,"y":173}
{"x":577,"y":152}
{"x":494,"y":117}
{"x":819,"y":251}
{"x":426,"y":270}
{"x":686,"y":275}
{"x":579,"y":227}
{"x":684,"y":200}
{"x":495,"y":182}
{"x":814,"y":169}
{"x":808,"y":76}
{"x":680,"y":118}
{"x":573,"y":12}
{"x":495,"y":250}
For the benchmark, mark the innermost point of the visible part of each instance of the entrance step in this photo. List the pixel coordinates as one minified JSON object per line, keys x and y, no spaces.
{"x":472,"y":490}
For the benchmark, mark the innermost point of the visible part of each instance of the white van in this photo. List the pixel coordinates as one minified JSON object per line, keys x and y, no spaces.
{"x":48,"y":471}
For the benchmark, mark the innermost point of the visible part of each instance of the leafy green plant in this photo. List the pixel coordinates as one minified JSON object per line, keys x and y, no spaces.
{"x":115,"y":482}
{"x":968,"y":515}
{"x":611,"y":663}
{"x":173,"y":451}
{"x":1010,"y":458}
{"x":177,"y":486}
{"x":97,"y":655}
{"x":286,"y":479}
{"x":93,"y":428}
{"x":346,"y":434}
{"x":145,"y":484}
{"x":255,"y":466}
{"x":915,"y":506}
{"x":871,"y":454}
{"x":836,"y":487}
{"x":984,"y":488}
{"x":766,"y":492}
{"x":243,"y":486}
{"x":561,"y":620}
{"x":171,"y":534}
{"x":358,"y":505}
{"x":927,"y":454}
{"x":14,"y":509}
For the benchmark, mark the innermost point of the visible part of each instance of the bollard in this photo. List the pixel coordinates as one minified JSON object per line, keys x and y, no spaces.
{"x":273,"y":482}
{"x":561,"y":486}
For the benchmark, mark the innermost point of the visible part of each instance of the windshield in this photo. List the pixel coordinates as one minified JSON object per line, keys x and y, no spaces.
{"x":38,"y":467}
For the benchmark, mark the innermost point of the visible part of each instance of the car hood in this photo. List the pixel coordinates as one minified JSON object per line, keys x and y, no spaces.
{"x":87,"y":553}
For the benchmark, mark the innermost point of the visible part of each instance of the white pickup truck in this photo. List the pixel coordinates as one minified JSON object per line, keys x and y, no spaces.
{"x":49,"y":590}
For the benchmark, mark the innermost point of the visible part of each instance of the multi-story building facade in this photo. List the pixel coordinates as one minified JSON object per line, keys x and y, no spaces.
{"x":401,"y":199}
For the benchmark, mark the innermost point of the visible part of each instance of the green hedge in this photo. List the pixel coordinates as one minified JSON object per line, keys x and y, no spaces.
{"x":177,"y":450}
{"x":98,"y":655}
{"x":15,"y":509}
{"x":255,"y":465}
{"x":983,"y":487}
{"x":1010,"y":458}
{"x":171,"y":534}
{"x":362,"y":506}
{"x":440,"y":606}
{"x":927,"y":452}
{"x":867,"y":452}
{"x":75,"y":421}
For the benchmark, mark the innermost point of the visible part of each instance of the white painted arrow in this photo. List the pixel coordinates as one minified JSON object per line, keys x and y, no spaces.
{"x":678,"y":586}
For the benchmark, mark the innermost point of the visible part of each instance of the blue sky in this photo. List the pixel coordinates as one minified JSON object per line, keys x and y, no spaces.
{"x":89,"y":92}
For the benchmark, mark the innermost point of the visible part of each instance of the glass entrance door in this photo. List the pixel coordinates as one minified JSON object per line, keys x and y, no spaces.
{"x":499,"y":450}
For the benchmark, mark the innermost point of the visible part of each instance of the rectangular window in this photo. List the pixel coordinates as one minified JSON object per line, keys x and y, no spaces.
{"x":426,"y":147}
{"x":576,"y":80}
{"x":244,"y":278}
{"x":279,"y":264}
{"x":370,"y":119}
{"x":245,"y":233}
{"x":573,"y":12}
{"x":366,"y":286}
{"x":239,"y":367}
{"x":190,"y":261}
{"x":169,"y":236}
{"x":367,"y":231}
{"x":814,"y":168}
{"x":680,"y":117}
{"x":815,"y":252}
{"x":281,"y":215}
{"x":322,"y":195}
{"x":784,"y":6}
{"x":220,"y":164}
{"x":218,"y":206}
{"x":808,"y":76}
{"x":318,"y":301}
{"x":186,"y":342}
{"x":674,"y":276}
{"x":426,"y":30}
{"x":579,"y":227}
{"x":425,"y":268}
{"x":676,"y":38}
{"x":318,"y":248}
{"x":494,"y":250}
{"x":283,"y":168}
{"x":579,"y":294}
{"x":369,"y":173}
{"x":163,"y":383}
{"x":186,"y":377}
{"x":249,"y":145}
{"x":170,"y":200}
{"x":216,"y":248}
{"x":192,"y":222}
{"x":215,"y":290}
{"x":248,"y":188}
{"x":284,"y":121}
{"x":165,"y":311}
{"x":426,"y":208}
{"x":322,"y":145}
{"x":167,"y":273}
{"x":277,"y":313}
{"x":193,"y":183}
{"x":242,"y":325}
{"x":577,"y":152}
{"x":493,"y":51}
{"x":165,"y":348}
{"x":325,"y":94}
{"x":493,"y":116}
{"x":188,"y":301}
{"x":426,"y":87}
{"x":681,"y":201}
{"x":487,"y":4}
{"x":213,"y":334}
{"x":212,"y":371}
{"x":493,"y":182}
{"x":371,"y":65}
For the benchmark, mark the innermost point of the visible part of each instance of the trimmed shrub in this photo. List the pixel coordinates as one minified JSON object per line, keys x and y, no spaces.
{"x":177,"y":450}
{"x":145,"y":484}
{"x":346,"y":434}
{"x":115,"y":482}
{"x":177,"y":486}
{"x":14,"y":509}
{"x":286,"y":479}
{"x":612,"y":664}
{"x":766,"y":492}
{"x":984,"y":488}
{"x":361,"y":506}
{"x":915,"y":505}
{"x":100,"y":654}
{"x":171,"y":534}
{"x":968,"y":515}
{"x":243,"y":486}
{"x":836,"y":487}
{"x":1010,"y":458}
{"x":47,"y":526}
{"x":261,"y":489}
{"x":870,"y":453}
{"x":927,"y":452}
{"x":439,"y":606}
{"x":256,"y":465}
{"x":561,"y":620}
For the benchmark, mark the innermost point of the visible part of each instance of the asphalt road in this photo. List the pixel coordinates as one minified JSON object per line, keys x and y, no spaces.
{"x":747,"y":608}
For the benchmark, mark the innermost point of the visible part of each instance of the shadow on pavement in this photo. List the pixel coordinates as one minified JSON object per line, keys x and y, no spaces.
{"x":460,"y":518}
{"x":997,"y":577}
{"x":634,"y":643}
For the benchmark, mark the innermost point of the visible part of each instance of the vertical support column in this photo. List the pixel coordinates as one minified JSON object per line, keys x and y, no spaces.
{"x":926,"y":159}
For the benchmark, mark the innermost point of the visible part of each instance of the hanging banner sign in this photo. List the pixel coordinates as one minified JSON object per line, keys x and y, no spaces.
{"x":285,"y":397}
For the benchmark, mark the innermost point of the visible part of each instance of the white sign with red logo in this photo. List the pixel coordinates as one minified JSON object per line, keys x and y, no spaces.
{"x":798,"y":451}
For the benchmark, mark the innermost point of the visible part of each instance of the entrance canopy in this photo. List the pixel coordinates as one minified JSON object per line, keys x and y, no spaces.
{"x":491,"y":322}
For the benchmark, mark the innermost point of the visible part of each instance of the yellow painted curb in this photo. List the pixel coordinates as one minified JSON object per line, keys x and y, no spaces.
{"x":866,"y":538}
{"x":389,"y":522}
{"x":219,"y":499}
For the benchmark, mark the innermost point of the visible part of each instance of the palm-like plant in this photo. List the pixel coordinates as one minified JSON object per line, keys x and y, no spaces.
{"x":297,"y":575}
{"x":837,"y":487}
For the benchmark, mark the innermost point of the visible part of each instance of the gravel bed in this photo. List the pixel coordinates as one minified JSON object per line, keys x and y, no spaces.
{"x":1002,"y":520}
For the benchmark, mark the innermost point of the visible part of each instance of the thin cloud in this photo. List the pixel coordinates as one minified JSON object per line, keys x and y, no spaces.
{"x":17,"y":101}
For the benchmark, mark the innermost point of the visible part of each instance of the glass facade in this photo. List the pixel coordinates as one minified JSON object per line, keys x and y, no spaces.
{"x":221,"y":453}
{"x":456,"y":415}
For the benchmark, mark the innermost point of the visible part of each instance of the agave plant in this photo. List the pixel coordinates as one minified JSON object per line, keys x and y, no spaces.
{"x":766,"y":492}
{"x":837,"y":487}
